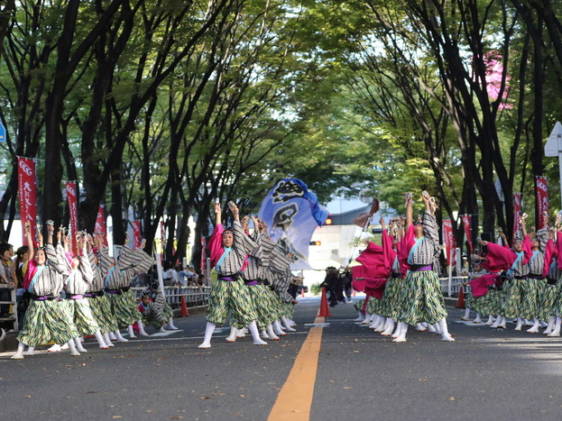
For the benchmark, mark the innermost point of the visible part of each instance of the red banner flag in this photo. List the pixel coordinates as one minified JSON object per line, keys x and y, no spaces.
{"x":541,"y":191}
{"x":449,"y":241}
{"x":27,"y":187}
{"x":72,"y":199}
{"x":101,"y":226}
{"x":137,"y":233}
{"x":467,"y":225}
{"x":517,"y":208}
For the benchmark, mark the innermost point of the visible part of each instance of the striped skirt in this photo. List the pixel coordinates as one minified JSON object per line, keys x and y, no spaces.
{"x":557,"y":307}
{"x":158,"y":317}
{"x":231,"y":298}
{"x":469,"y":300}
{"x":374,"y":306}
{"x":390,"y":300}
{"x":488,"y":304}
{"x":548,"y":302}
{"x":532,"y":291}
{"x":421,"y":299}
{"x":83,"y":316}
{"x":287,"y":310}
{"x":275,"y":303}
{"x":511,"y":298}
{"x":124,"y":307}
{"x":266,"y":309}
{"x":101,"y":307}
{"x":47,"y":322}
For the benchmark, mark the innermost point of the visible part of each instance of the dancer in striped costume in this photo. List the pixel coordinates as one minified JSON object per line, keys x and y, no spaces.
{"x":78,"y":276}
{"x":47,"y":319}
{"x":514,"y":281}
{"x":258,"y":291}
{"x":536,"y":282}
{"x":99,"y":301}
{"x":421,"y":298}
{"x":156,"y":311}
{"x":275,"y":264}
{"x":229,"y":295}
{"x":118,"y":274}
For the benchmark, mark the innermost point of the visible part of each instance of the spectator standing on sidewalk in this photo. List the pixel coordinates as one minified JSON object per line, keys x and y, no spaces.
{"x":7,"y":277}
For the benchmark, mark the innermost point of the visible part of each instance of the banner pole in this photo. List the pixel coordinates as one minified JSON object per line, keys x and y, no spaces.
{"x":450,"y":282}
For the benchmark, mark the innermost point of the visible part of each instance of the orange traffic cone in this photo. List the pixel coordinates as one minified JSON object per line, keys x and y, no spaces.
{"x":184,"y":312}
{"x":324,"y":309}
{"x":460,"y":300}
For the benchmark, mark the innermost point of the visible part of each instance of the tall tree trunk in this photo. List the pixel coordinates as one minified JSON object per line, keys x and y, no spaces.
{"x":537,"y":152}
{"x":119,"y":226}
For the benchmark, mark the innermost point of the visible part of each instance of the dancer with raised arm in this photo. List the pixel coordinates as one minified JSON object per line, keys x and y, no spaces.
{"x":390,"y":303}
{"x":229,"y":295}
{"x":536,"y":282}
{"x":99,"y":302}
{"x":513,"y":281}
{"x":47,"y":319}
{"x":422,"y":299}
{"x":78,"y":276}
{"x":251,"y":274}
{"x":118,"y":274}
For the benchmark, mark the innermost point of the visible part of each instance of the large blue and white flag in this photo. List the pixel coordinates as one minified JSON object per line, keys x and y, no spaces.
{"x":292,"y":213}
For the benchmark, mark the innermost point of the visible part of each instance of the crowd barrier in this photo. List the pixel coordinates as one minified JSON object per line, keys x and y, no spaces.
{"x":13,"y":308}
{"x":194,"y":296}
{"x":456,"y":282}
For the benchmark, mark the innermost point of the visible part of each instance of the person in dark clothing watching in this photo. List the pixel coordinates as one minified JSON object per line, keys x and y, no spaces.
{"x":331,"y":285}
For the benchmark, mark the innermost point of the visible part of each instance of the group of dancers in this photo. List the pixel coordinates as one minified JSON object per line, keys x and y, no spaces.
{"x":400,"y":277}
{"x":85,"y":293}
{"x":254,"y":275}
{"x":519,"y":283}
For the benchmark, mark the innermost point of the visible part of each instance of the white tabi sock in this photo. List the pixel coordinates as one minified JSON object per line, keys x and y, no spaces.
{"x":535,"y":327}
{"x":19,"y":353}
{"x":107,"y":340}
{"x":271,"y":333}
{"x":120,"y":337}
{"x":389,"y":327}
{"x":403,"y":331}
{"x":131,"y":332}
{"x":79,"y":346}
{"x":255,"y":334}
{"x":209,"y":329}
{"x":100,"y":340}
{"x":445,"y":335}
{"x":72,"y":346}
{"x":232,"y":337}
{"x":141,"y":328}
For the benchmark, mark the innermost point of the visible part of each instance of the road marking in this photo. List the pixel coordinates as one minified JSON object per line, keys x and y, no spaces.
{"x":295,"y":398}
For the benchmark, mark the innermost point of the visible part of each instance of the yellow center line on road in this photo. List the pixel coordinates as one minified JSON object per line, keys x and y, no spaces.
{"x":295,"y":398}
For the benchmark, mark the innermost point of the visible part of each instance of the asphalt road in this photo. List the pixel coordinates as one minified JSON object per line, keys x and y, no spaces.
{"x":484,"y":375}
